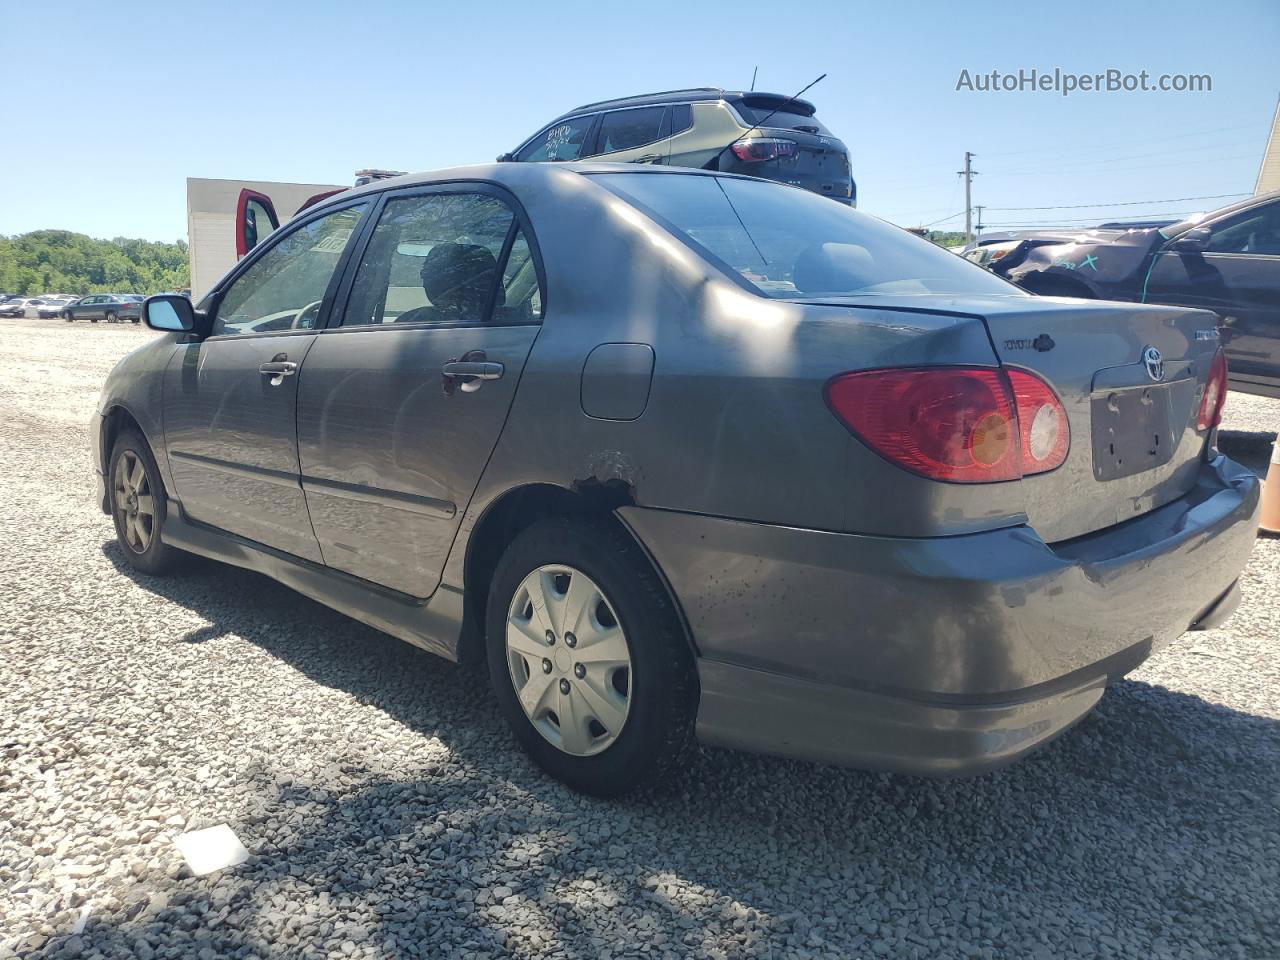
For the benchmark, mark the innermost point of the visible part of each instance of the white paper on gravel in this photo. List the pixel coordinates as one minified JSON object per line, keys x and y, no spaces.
{"x":211,"y":849}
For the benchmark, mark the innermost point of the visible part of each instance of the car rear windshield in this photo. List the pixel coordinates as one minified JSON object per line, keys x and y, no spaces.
{"x":779,"y":112}
{"x":791,"y":244}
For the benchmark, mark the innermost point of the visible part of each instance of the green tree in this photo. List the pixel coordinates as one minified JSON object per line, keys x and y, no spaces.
{"x":58,"y":261}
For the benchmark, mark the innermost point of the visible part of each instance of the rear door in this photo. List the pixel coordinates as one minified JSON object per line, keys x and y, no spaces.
{"x":256,"y":219}
{"x":634,"y":135}
{"x":1238,"y":277}
{"x":230,"y":400}
{"x":402,"y":403}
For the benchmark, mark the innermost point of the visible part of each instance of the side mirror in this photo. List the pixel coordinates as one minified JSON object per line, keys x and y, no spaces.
{"x":1193,"y":241}
{"x":506,"y":157}
{"x":167,"y":311}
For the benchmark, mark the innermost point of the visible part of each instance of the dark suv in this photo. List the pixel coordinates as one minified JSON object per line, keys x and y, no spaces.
{"x":1227,"y":261}
{"x":757,"y":134}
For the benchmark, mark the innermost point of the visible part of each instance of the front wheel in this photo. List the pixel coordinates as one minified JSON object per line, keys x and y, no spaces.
{"x":587,"y":657}
{"x":138,"y":504}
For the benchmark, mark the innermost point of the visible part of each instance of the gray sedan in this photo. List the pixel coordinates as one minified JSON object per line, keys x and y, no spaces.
{"x":683,"y":454}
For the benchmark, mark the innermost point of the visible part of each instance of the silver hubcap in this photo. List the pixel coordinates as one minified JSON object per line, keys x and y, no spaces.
{"x":569,"y":660}
{"x":135,"y":505}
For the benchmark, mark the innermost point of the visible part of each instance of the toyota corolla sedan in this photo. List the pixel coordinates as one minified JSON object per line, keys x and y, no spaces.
{"x":684,"y":454}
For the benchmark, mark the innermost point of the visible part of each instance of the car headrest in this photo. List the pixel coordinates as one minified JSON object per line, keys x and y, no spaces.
{"x":466,"y":271}
{"x":833,"y":268}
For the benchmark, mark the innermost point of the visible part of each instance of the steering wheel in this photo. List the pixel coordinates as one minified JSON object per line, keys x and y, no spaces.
{"x":306,"y":318}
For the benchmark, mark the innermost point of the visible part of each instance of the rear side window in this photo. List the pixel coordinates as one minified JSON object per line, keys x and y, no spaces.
{"x":789,"y":243}
{"x":624,"y":129}
{"x":434,"y":258}
{"x":559,"y":142}
{"x":681,"y":117}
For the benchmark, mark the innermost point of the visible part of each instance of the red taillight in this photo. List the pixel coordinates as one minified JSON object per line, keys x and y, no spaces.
{"x":959,"y":424}
{"x":1215,"y":394}
{"x":763,"y":148}
{"x":1044,"y":432}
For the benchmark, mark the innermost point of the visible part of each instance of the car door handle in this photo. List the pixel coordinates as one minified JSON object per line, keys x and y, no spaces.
{"x":475,"y":369}
{"x":469,"y":372}
{"x":277,"y":370}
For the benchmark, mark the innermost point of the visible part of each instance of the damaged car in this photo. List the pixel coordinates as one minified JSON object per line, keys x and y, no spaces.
{"x":1227,"y":261}
{"x":683,"y":454}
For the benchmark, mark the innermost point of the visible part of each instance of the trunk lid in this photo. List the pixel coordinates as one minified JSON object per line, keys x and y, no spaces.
{"x":1134,"y":442}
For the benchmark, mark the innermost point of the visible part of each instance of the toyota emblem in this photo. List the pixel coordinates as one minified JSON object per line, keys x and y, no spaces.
{"x":1154,"y":362}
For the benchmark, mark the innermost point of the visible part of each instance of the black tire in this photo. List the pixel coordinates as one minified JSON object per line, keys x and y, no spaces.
{"x":93,"y":319}
{"x":663,"y":692}
{"x":157,"y":557}
{"x":136,"y":319}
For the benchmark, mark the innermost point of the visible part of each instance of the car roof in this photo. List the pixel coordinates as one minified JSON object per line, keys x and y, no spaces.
{"x":518,"y":176}
{"x":688,"y":95}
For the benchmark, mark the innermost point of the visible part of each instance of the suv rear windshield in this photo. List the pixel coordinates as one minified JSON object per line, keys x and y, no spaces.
{"x":789,"y":243}
{"x":792,"y":115}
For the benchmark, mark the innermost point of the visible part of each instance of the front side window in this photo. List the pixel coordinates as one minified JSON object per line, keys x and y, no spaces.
{"x":624,"y":129}
{"x":789,"y":243}
{"x":1256,"y":232}
{"x":434,"y":258}
{"x":559,"y":142}
{"x":284,"y":288}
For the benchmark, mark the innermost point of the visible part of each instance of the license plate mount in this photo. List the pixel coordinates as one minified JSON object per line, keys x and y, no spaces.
{"x":1131,"y":432}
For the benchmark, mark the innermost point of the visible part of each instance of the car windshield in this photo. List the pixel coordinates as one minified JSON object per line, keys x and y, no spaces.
{"x":789,"y":243}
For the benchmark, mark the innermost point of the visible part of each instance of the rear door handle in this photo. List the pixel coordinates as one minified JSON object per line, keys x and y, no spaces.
{"x":469,"y":372}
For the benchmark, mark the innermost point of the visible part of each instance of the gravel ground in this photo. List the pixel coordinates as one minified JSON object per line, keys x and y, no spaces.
{"x":388,"y":813}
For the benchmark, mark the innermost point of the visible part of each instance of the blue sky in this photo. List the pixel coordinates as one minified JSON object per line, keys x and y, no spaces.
{"x":107,"y":108}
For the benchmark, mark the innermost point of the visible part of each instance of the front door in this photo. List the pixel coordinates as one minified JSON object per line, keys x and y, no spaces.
{"x":401,"y":403}
{"x":1238,"y":277}
{"x":230,"y":400}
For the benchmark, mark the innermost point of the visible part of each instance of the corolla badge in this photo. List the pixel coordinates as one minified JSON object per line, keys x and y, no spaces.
{"x":1154,"y":362}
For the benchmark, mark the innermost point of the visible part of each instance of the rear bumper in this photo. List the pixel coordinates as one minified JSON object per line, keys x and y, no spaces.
{"x":943,"y":655}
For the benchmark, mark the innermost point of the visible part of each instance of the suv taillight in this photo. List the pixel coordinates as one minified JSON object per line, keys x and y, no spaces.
{"x":760,"y":149}
{"x":1215,"y":393}
{"x":959,"y":424}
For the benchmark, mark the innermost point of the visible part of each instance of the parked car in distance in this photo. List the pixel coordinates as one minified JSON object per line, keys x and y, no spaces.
{"x":759,"y":134}
{"x":685,"y":453}
{"x":43,"y":308}
{"x":14,"y":306}
{"x":1227,"y":261}
{"x":108,"y":307}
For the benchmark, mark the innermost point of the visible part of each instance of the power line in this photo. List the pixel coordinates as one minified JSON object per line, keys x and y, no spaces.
{"x":1088,"y":221}
{"x":1124,"y":143}
{"x":1127,"y":203}
{"x":943,"y":220}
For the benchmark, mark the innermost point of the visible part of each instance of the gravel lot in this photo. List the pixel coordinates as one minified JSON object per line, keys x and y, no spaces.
{"x":388,"y":814}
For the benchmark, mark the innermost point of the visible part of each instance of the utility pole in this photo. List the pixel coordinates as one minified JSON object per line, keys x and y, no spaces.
{"x":977,"y":227}
{"x":968,"y":173}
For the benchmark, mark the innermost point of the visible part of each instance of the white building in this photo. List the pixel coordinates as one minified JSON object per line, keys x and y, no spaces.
{"x":211,"y":221}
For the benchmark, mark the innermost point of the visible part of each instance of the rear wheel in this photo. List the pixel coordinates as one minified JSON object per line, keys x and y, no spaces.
{"x":138,"y":504}
{"x":587,"y":657}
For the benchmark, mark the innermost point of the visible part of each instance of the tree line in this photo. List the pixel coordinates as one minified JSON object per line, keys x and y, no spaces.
{"x":59,"y":261}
